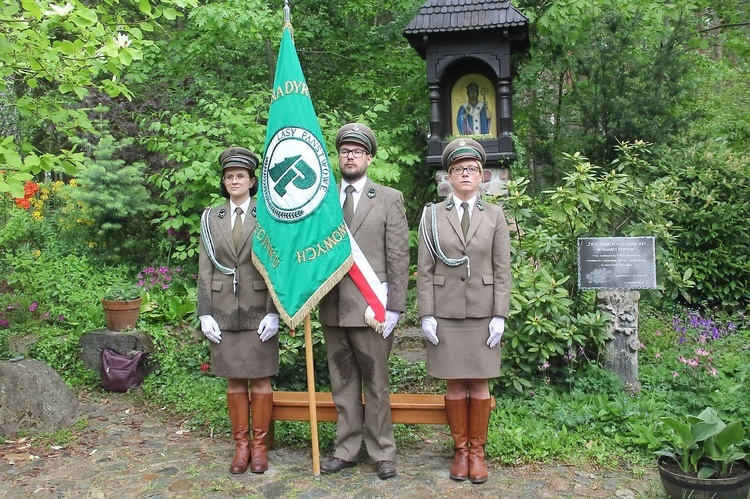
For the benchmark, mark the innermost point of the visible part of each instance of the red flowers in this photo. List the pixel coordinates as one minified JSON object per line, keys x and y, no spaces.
{"x":205,"y":367}
{"x":29,"y":189}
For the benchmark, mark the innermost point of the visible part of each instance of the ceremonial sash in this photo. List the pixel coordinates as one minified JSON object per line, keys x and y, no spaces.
{"x":370,"y":286}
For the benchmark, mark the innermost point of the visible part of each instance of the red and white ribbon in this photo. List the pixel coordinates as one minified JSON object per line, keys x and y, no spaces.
{"x":369,"y":285}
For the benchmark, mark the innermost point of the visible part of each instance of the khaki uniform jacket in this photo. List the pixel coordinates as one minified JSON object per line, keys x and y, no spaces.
{"x":380,"y":228}
{"x":215,"y":293}
{"x":449,"y":292}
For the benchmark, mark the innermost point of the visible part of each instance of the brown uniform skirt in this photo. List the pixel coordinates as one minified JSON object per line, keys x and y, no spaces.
{"x":462,"y":351}
{"x":242,"y":355}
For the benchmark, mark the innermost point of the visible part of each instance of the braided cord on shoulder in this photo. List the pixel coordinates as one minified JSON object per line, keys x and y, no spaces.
{"x":435,"y":244}
{"x":208,"y":244}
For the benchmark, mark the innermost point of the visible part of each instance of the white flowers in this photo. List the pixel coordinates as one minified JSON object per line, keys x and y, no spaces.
{"x":122,"y":40}
{"x":59,"y":11}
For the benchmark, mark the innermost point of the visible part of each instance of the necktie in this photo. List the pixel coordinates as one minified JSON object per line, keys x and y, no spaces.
{"x":349,"y":204}
{"x":237,"y":229}
{"x":465,"y":218}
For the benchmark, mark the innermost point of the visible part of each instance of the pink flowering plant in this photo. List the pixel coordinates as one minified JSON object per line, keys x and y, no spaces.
{"x":16,"y":312}
{"x":158,"y":278}
{"x":169,"y":293}
{"x":690,"y":354}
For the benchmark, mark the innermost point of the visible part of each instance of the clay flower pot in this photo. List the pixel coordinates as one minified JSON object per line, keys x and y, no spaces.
{"x":121,"y":314}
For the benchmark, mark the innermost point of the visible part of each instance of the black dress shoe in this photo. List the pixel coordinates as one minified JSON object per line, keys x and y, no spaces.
{"x":334,"y":465}
{"x":385,"y":469}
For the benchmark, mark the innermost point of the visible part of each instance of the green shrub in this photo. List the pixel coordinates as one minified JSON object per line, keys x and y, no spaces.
{"x":551,"y":423}
{"x":554,"y":327}
{"x":67,"y":286}
{"x":191,"y":141}
{"x":710,"y":186}
{"x":54,"y":222}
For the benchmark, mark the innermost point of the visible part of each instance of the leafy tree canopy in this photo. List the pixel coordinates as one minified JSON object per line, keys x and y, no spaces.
{"x":51,"y":57}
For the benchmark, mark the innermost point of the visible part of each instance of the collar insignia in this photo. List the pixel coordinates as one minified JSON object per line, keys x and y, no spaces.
{"x":371,"y":193}
{"x":449,"y":205}
{"x":480,"y":205}
{"x":222,"y":213}
{"x":253,"y":212}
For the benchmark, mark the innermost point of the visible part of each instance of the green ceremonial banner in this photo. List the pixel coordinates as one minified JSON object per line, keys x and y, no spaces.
{"x":301,"y":245}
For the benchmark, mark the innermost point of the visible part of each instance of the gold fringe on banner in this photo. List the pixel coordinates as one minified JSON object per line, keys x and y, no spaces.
{"x":323,"y":289}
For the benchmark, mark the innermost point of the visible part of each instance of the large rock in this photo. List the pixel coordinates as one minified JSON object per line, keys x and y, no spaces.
{"x":122,"y":342}
{"x":20,"y":344}
{"x":34,"y":398}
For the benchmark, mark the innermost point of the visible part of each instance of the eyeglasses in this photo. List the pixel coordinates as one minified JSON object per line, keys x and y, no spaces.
{"x":357,"y":153}
{"x":240,"y":177}
{"x":459,"y":170}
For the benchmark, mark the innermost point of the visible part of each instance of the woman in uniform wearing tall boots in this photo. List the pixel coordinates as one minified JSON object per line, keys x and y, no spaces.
{"x":236,"y":312}
{"x":463,"y":284}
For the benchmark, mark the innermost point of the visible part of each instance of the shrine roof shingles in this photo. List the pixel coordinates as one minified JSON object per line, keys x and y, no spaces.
{"x":444,"y":16}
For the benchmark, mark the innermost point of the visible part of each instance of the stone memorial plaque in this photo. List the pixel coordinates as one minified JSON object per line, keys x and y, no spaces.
{"x":616,"y":263}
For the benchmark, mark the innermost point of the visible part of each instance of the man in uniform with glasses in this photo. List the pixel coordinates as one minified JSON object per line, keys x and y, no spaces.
{"x":357,"y":354}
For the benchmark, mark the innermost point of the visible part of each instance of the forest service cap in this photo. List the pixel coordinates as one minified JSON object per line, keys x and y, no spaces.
{"x":238,"y":157}
{"x":463,"y":148}
{"x":359,"y":134}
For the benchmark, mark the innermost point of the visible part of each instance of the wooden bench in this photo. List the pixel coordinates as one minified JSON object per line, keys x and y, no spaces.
{"x":416,"y":408}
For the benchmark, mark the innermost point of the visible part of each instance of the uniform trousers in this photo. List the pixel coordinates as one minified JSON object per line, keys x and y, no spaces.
{"x":357,"y":363}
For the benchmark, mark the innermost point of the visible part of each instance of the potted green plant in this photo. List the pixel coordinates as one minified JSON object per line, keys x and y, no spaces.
{"x":121,"y":304}
{"x":707,"y":459}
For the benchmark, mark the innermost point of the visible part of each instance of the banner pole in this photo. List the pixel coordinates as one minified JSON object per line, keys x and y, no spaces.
{"x":311,"y":395}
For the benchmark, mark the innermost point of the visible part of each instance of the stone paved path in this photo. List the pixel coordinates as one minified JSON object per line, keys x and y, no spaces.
{"x":126,"y":451}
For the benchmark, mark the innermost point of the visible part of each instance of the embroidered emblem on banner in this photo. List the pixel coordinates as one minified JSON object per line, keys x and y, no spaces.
{"x":295,"y":174}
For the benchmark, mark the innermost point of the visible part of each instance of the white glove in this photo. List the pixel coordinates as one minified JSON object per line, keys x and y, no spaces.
{"x":497,"y":326}
{"x":391,"y":319}
{"x":210,"y":328}
{"x":429,"y":329}
{"x":269,"y":326}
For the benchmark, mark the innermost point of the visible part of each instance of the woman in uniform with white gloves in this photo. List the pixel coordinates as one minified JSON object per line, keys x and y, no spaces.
{"x":463,"y":284}
{"x":235,"y":309}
